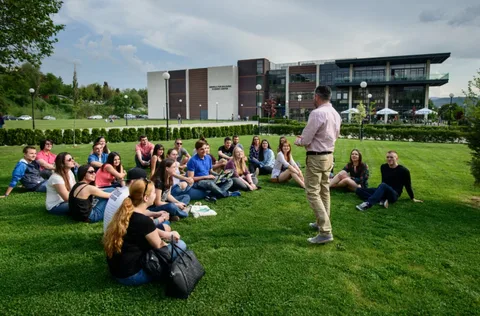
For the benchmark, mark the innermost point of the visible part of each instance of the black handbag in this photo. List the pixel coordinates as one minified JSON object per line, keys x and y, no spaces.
{"x":156,"y":263}
{"x":185,"y":272}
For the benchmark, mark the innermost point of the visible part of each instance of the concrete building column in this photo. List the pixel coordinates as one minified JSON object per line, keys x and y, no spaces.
{"x":387,"y":95}
{"x":387,"y":71}
{"x":350,"y":74}
{"x":317,"y":77}
{"x":427,"y":98}
{"x":287,"y":92}
{"x":427,"y":70}
{"x":350,"y":90}
{"x":187,"y":96}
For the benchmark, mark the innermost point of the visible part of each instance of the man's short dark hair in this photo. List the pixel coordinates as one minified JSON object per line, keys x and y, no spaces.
{"x":199,"y":144}
{"x":226,"y":139}
{"x":141,"y":137}
{"x":235,"y":136}
{"x":324,"y":92}
{"x":95,"y":144}
{"x":26,"y":148}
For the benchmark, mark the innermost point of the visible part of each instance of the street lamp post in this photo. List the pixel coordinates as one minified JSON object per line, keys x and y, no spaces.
{"x":258,"y":104}
{"x":32,"y":91}
{"x":216,"y":115}
{"x":299,"y":98}
{"x":451,"y":95}
{"x":180,"y":111}
{"x":200,"y":106}
{"x":166,"y":76}
{"x":363,"y":85}
{"x":126,"y":114}
{"x":369,"y":97}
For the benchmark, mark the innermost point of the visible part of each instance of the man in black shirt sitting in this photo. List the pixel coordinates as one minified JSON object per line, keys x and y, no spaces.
{"x":394,"y":178}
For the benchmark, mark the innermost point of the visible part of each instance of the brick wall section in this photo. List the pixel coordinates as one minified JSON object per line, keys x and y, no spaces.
{"x":198,"y":84}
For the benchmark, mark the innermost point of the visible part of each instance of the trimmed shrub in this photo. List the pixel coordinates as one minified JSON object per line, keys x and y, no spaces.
{"x":95,"y":133}
{"x":149,"y":133}
{"x":86,"y":139}
{"x":114,"y":135}
{"x":3,"y":136}
{"x":68,"y":136}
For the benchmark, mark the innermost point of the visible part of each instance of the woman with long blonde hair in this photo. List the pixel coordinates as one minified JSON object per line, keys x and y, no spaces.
{"x":285,"y":167}
{"x":242,"y":178}
{"x":131,"y":233}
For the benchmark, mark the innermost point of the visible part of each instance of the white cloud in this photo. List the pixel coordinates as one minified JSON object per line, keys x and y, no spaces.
{"x":128,"y":52}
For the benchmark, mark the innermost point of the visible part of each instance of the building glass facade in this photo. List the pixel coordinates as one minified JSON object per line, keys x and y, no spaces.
{"x":277,"y":80}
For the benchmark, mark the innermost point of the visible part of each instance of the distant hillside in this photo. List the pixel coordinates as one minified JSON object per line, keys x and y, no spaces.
{"x":441,"y":101}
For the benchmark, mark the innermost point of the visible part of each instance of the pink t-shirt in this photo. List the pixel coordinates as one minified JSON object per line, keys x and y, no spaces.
{"x":49,"y":158}
{"x":104,"y":178}
{"x":145,"y":150}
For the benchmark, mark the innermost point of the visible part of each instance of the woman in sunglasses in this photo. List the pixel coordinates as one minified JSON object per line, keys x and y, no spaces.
{"x":131,"y":233}
{"x":83,"y":206}
{"x":59,"y":184}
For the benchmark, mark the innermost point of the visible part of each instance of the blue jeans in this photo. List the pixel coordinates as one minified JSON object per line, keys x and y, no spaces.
{"x":144,"y":158}
{"x":42,"y":187}
{"x":194,"y":194}
{"x":220,"y":190}
{"x":60,"y":209}
{"x":141,"y":277}
{"x":171,"y":208}
{"x":373,"y":196}
{"x":96,"y":215}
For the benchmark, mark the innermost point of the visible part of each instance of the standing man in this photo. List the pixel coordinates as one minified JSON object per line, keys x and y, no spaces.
{"x":394,"y":178}
{"x":319,"y":136}
{"x":143,"y":152}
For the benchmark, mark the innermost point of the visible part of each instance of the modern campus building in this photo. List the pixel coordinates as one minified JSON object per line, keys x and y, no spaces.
{"x":398,"y":82}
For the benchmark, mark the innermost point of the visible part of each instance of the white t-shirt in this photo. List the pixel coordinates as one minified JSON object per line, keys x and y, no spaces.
{"x":113,"y":204}
{"x":53,"y":198}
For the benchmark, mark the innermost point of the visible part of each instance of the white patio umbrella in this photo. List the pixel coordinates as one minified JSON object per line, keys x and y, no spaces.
{"x":350,"y":110}
{"x":386,"y":111}
{"x":424,"y":111}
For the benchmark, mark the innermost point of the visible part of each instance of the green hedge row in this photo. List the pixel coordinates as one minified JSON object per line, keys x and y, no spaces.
{"x":418,"y":134}
{"x":20,"y":136}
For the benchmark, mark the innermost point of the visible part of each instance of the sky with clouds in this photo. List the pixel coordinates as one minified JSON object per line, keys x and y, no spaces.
{"x":119,"y":41}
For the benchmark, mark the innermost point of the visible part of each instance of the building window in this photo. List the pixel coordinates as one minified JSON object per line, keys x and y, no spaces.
{"x":296,"y":78}
{"x":259,"y":67}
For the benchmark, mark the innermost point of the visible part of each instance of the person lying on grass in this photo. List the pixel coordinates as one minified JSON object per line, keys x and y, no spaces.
{"x":111,"y":173}
{"x":59,"y":185}
{"x":131,"y":233}
{"x":27,"y":171}
{"x":83,"y":207}
{"x":394,"y":178}
{"x":177,"y":207}
{"x":354,"y":175}
{"x":285,"y":167}
{"x":242,"y":178}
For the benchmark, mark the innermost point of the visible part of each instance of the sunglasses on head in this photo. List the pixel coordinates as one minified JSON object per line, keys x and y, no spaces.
{"x":146,"y":185}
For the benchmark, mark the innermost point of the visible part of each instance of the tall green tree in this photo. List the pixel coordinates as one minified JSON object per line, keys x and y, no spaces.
{"x":473,"y":115}
{"x":27,"y":31}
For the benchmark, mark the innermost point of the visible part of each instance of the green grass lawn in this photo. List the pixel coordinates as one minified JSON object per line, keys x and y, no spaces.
{"x":68,"y":124}
{"x":408,"y":259}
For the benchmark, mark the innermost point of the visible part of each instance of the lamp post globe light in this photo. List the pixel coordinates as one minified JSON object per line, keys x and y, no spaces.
{"x":32,"y":92}
{"x":258,"y":105}
{"x":369,"y":97}
{"x":166,"y":76}
{"x":126,"y":114}
{"x":363,"y":85}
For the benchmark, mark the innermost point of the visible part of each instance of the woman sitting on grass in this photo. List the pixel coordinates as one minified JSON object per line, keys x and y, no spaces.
{"x":157,"y":157}
{"x":111,"y":173}
{"x":354,"y":175}
{"x":282,"y":140}
{"x":131,"y":233}
{"x":82,"y":206}
{"x":285,"y":167}
{"x":59,"y":184}
{"x":253,"y":162}
{"x":266,"y":159}
{"x":242,"y":178}
{"x":164,"y":201}
{"x":181,"y":183}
